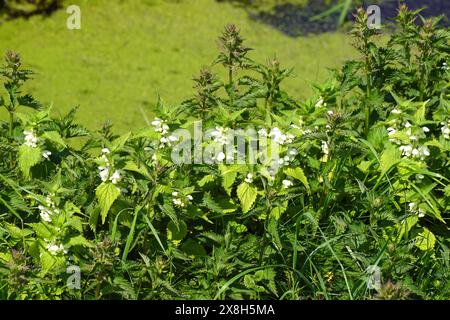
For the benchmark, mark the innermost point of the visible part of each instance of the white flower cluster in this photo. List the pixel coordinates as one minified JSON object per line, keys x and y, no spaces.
{"x":289,"y":157}
{"x":47,"y":211}
{"x":220,"y":135}
{"x":445,"y":66}
{"x":446,"y":129}
{"x":30,"y":139}
{"x":287,"y":183}
{"x":411,"y":150}
{"x":46,"y":154}
{"x":414,"y":208}
{"x":162,"y":127}
{"x":279,"y":137}
{"x":106,"y":169}
{"x":220,"y":156}
{"x":325,"y":148}
{"x":320,"y":103}
{"x":249,"y":178}
{"x":181,"y":201}
{"x":55,"y":249}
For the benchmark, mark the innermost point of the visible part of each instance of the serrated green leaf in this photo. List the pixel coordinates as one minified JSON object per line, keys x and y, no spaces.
{"x":389,"y":158}
{"x":425,"y":240}
{"x":119,"y":142}
{"x":206,"y":179}
{"x":276,"y":212}
{"x":247,"y":194}
{"x":54,"y":136}
{"x":28,"y":158}
{"x":228,"y":177}
{"x":106,"y":194}
{"x":298,"y":174}
{"x":79,"y":241}
{"x":132,"y":166}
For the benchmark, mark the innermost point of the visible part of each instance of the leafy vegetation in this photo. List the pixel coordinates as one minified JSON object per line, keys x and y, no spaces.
{"x":362,"y":183}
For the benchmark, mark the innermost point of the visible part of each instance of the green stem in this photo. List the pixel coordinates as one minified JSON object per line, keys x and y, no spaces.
{"x":11,"y":123}
{"x":269,"y":208}
{"x":230,"y":83}
{"x":368,"y":94}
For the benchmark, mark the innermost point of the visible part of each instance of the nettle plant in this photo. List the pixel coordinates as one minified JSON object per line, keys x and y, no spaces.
{"x":241,"y":191}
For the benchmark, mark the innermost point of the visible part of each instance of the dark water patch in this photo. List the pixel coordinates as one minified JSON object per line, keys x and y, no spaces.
{"x":295,"y":20}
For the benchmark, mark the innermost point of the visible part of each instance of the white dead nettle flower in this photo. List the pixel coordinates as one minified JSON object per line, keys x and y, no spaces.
{"x":220,"y":135}
{"x":45,"y":213}
{"x":219,"y":157}
{"x":391,"y":131}
{"x":104,"y":173}
{"x":445,"y":66}
{"x":106,"y":170}
{"x":410,"y":151}
{"x":325,"y":148}
{"x":115,"y":178}
{"x":287,"y":183}
{"x":396,"y":111}
{"x":406,"y":150}
{"x":181,"y":201}
{"x":425,"y":129}
{"x":262,"y":132}
{"x":160,"y":125}
{"x":279,"y":137}
{"x":46,"y":154}
{"x":414,"y":208}
{"x":320,"y":103}
{"x":30,"y":139}
{"x":48,"y":210}
{"x":300,"y":124}
{"x":55,"y":249}
{"x":446,"y":129}
{"x":419,"y":177}
{"x":249,"y":178}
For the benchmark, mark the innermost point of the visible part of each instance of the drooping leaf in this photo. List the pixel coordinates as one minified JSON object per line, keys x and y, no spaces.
{"x":106,"y":194}
{"x":28,"y":158}
{"x":298,"y":174}
{"x":54,"y":136}
{"x":247,"y":194}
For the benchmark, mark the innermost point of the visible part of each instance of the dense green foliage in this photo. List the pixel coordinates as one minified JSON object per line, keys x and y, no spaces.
{"x":363,"y":183}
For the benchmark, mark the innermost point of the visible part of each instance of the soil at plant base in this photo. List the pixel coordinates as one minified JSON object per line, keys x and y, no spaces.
{"x":295,"y":20}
